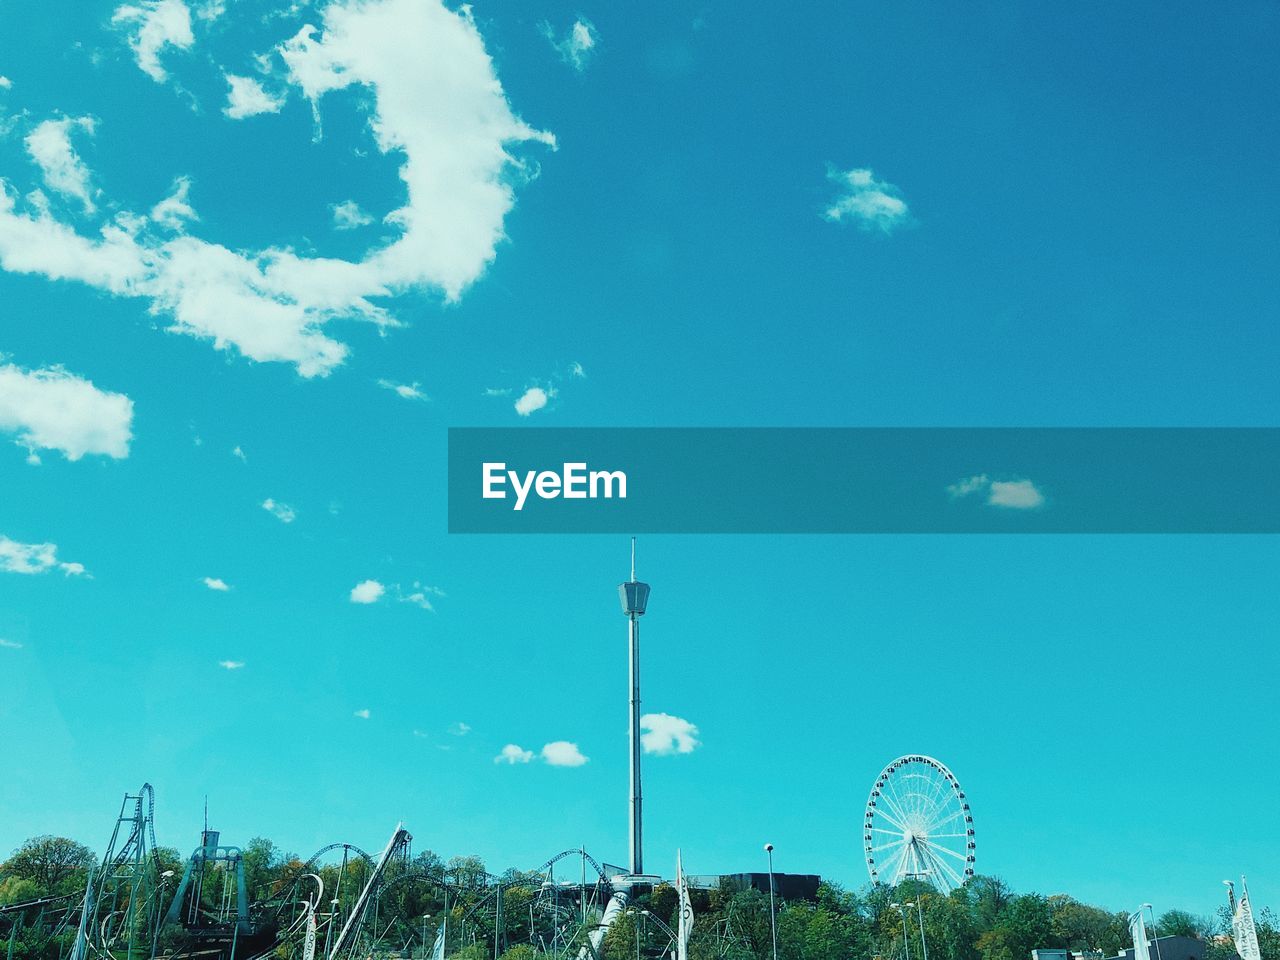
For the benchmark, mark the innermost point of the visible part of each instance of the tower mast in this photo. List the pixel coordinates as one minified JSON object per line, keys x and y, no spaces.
{"x":635,"y":597}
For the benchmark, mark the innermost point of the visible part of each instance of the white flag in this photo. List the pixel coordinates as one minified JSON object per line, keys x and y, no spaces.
{"x":437,"y":951}
{"x":309,"y":944}
{"x":1138,"y":927}
{"x":686,"y":912}
{"x":1242,"y":928}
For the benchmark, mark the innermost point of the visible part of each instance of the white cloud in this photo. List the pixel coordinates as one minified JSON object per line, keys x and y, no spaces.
{"x":5,"y":83}
{"x":10,"y":644}
{"x":870,"y":203}
{"x":52,"y":409}
{"x":664,"y":734}
{"x":460,"y":729}
{"x":363,"y":714}
{"x":367,"y":591}
{"x":239,"y":454}
{"x":18,"y":557}
{"x":1015,"y":494}
{"x":348,"y":216}
{"x":513,"y":754}
{"x":562,"y":753}
{"x":281,"y":511}
{"x":497,"y":391}
{"x":215,"y":583}
{"x":438,"y":103}
{"x":409,"y":391}
{"x":577,"y":46}
{"x":174,"y":211}
{"x":231,"y":664}
{"x":49,"y":145}
{"x":535,"y":398}
{"x":247,"y":98}
{"x":154,"y":25}
{"x":575,"y":370}
{"x":1009,"y":494}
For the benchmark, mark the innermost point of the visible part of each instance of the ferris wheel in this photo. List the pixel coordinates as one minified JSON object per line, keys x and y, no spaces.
{"x":918,"y":825}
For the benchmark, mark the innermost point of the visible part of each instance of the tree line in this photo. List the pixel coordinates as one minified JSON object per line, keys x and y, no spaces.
{"x":983,"y":920}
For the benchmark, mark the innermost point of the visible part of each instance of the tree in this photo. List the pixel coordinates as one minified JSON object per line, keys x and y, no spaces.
{"x":51,"y":862}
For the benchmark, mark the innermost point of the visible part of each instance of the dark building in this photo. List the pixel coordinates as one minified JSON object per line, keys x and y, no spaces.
{"x":790,"y":886}
{"x":1170,"y":948}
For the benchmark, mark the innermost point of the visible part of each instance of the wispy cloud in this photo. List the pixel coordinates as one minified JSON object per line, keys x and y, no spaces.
{"x":407,"y":391}
{"x":664,"y":734}
{"x":869,"y":203}
{"x":363,"y":714}
{"x":1010,"y":494}
{"x":348,"y":216}
{"x":246,"y":97}
{"x":49,"y":145}
{"x":152,"y":26}
{"x":174,"y":212}
{"x":460,"y":729}
{"x":231,"y":664}
{"x":367,"y":591}
{"x":578,"y":44}
{"x":53,"y":409}
{"x":497,"y":391}
{"x":513,"y":754}
{"x":10,"y":644}
{"x":33,"y":558}
{"x":562,"y":753}
{"x":575,"y":370}
{"x":281,"y":511}
{"x":215,"y":583}
{"x":239,"y":454}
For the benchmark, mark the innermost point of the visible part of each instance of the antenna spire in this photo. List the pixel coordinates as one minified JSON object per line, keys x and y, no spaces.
{"x":633,"y":559}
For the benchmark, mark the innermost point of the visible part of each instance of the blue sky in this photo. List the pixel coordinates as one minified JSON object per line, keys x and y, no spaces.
{"x":858,"y":214}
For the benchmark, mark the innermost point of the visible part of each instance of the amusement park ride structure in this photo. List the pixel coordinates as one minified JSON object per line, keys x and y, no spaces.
{"x":343,"y":904}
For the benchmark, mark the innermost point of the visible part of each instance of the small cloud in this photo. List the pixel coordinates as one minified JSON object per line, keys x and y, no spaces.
{"x":33,"y":558}
{"x":1009,"y":494}
{"x":497,"y":391}
{"x":460,"y":729}
{"x":363,"y":714}
{"x":665,"y":735}
{"x":231,"y":664}
{"x":281,"y":511}
{"x":53,"y":409}
{"x":513,"y":754}
{"x":368,"y":591}
{"x":239,"y":454}
{"x":5,"y":83}
{"x":10,"y":644}
{"x":155,"y":24}
{"x":870,"y":203}
{"x":175,"y":210}
{"x":215,"y":583}
{"x":247,"y":98}
{"x":535,"y":398}
{"x":49,"y":145}
{"x":575,"y":370}
{"x":422,"y":734}
{"x":418,"y":598}
{"x":348,"y":216}
{"x":1015,"y":494}
{"x":577,"y":46}
{"x":408,"y":391}
{"x":562,"y":753}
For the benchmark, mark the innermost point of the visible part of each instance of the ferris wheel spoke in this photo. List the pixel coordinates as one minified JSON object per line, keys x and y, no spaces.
{"x":888,"y":846}
{"x":900,"y":823}
{"x":938,"y":823}
{"x":947,"y":870}
{"x":938,"y":848}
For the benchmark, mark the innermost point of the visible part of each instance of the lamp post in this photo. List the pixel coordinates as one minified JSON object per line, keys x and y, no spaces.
{"x":1154,"y":930}
{"x":425,"y":918}
{"x":924,"y":949}
{"x":155,"y":935}
{"x":902,"y":912}
{"x":773,"y":910}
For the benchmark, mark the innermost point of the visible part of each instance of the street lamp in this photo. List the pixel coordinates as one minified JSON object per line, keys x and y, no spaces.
{"x":773,"y":910}
{"x":155,"y":936}
{"x":902,"y":911}
{"x":924,"y":949}
{"x":1154,"y":930}
{"x":425,"y":918}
